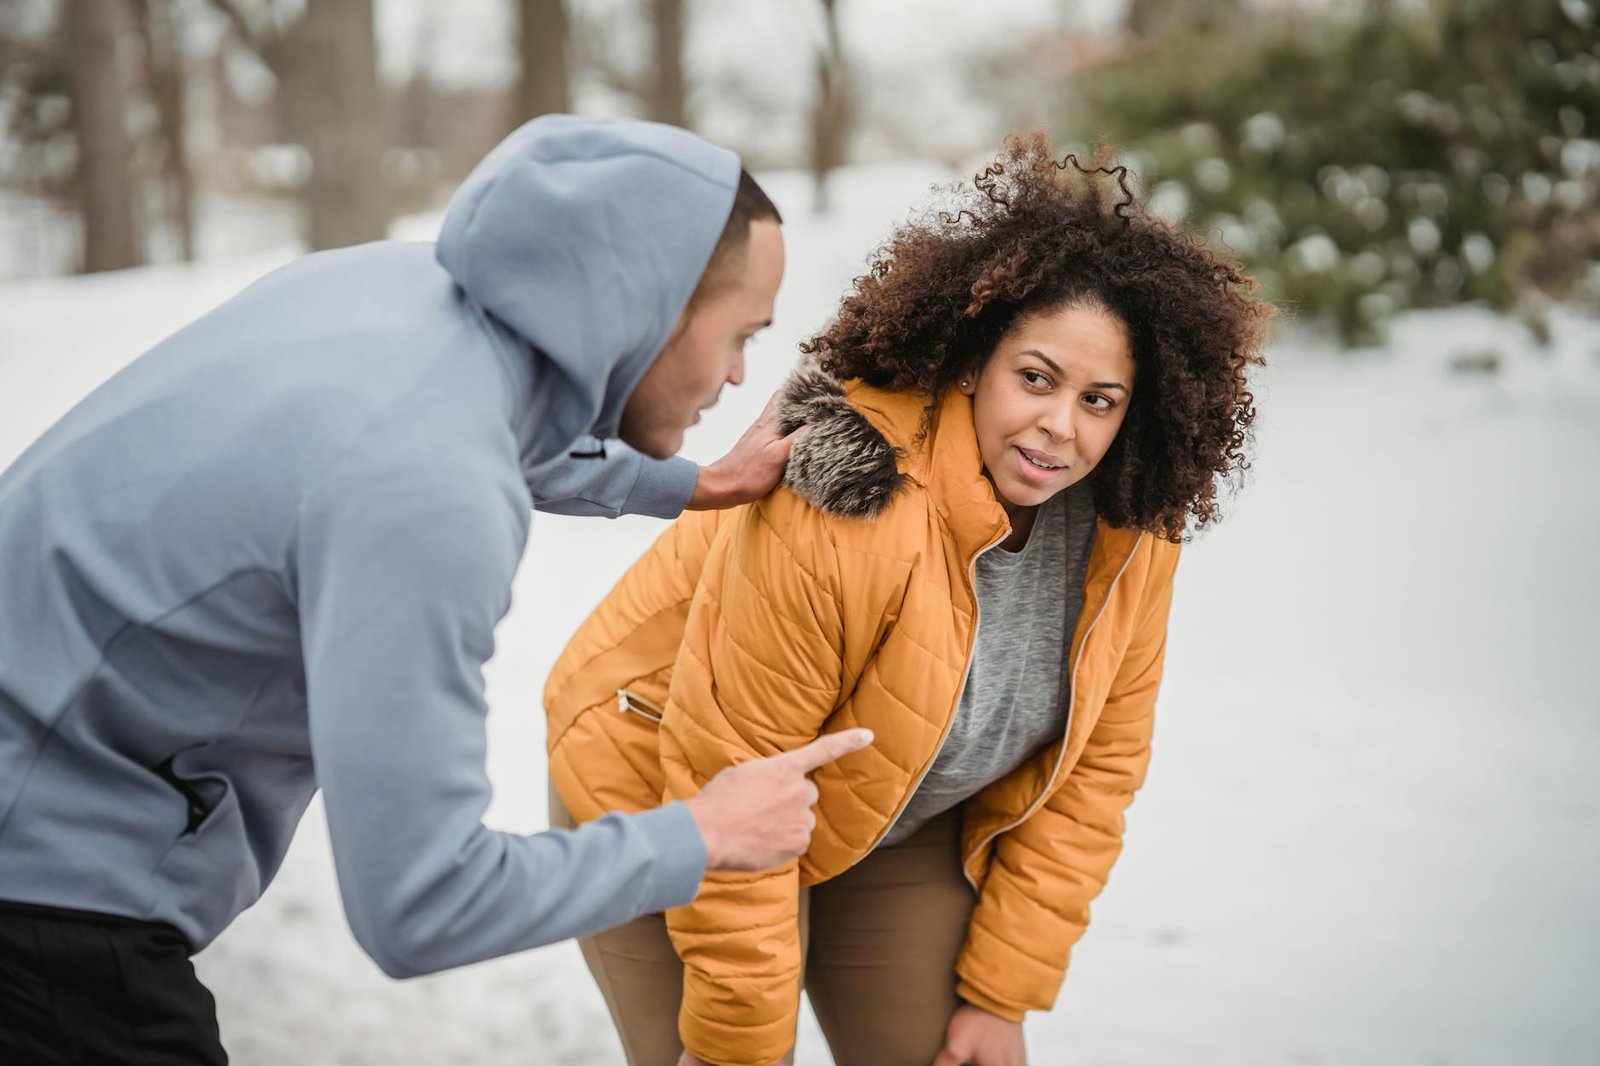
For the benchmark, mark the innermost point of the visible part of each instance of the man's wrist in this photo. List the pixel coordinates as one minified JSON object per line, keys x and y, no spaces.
{"x":663,"y":487}
{"x":708,"y":834}
{"x":710,"y":491}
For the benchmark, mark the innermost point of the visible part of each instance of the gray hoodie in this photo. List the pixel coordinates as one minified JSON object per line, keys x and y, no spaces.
{"x":270,"y":555}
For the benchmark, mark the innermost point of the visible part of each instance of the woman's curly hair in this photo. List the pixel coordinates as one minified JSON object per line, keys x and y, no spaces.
{"x":1033,"y":234}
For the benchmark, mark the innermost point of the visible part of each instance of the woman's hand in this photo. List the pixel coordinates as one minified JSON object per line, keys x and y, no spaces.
{"x":977,"y":1038}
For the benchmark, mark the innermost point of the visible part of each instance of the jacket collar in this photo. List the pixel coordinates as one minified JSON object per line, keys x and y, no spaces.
{"x":865,"y":443}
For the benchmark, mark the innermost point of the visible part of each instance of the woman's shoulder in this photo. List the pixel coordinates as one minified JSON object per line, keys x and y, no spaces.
{"x":812,"y":530}
{"x":847,"y":469}
{"x":844,"y":498}
{"x":844,"y":465}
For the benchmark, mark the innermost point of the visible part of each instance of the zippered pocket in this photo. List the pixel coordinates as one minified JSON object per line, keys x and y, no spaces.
{"x":628,"y":703}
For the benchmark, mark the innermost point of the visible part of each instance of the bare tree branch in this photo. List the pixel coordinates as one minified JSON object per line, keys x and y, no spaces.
{"x":600,"y":59}
{"x":830,"y":115}
{"x":267,"y":45}
{"x":164,"y":64}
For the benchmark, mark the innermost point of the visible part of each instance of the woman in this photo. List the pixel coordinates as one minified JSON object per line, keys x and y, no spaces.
{"x":1016,"y":417}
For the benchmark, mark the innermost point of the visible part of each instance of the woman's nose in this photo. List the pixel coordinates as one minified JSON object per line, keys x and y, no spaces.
{"x":1057,"y":423}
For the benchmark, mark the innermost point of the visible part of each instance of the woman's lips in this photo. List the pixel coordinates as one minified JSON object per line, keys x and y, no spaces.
{"x":1035,"y":474}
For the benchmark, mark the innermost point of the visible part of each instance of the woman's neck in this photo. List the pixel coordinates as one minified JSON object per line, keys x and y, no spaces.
{"x":1021,"y":519}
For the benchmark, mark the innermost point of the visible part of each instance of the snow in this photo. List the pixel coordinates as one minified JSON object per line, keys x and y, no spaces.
{"x":1372,"y":829}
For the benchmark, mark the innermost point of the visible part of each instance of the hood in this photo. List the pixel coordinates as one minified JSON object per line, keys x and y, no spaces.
{"x":843,"y":465}
{"x":586,"y":237}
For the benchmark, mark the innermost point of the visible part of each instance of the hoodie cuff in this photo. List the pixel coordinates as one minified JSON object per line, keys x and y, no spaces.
{"x":663,"y":489}
{"x":680,"y":863}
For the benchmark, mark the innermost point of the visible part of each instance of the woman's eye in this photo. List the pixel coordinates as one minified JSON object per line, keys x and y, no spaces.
{"x":1099,"y":402}
{"x":1035,"y":378}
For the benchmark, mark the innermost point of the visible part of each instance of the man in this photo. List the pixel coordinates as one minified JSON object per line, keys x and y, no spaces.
{"x":270,"y":556}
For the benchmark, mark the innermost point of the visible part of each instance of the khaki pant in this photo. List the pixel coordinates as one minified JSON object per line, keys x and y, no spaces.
{"x":880,"y":943}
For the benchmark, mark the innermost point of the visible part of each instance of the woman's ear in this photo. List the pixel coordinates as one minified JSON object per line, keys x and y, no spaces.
{"x":967,"y":384}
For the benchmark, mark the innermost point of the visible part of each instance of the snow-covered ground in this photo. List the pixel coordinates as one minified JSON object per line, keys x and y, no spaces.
{"x":1372,"y":830}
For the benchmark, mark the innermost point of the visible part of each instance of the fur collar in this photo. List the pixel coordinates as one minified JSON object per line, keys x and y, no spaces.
{"x":843,"y":465}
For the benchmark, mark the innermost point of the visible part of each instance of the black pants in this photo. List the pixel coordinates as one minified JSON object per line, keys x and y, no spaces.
{"x":82,"y":989}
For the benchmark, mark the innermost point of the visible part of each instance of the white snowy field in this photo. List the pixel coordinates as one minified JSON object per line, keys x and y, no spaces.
{"x":1372,"y":830}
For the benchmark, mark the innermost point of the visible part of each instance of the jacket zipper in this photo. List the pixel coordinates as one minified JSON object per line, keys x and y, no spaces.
{"x":977,"y":618}
{"x":628,"y":703}
{"x":1072,"y":700}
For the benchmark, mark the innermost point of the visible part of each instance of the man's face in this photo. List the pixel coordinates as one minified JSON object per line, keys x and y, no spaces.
{"x":706,"y":349}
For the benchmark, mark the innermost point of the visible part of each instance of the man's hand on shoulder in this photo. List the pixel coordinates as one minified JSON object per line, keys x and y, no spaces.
{"x":751,"y":469}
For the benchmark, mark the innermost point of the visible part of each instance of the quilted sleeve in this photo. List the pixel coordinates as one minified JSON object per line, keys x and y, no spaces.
{"x":758,"y":672}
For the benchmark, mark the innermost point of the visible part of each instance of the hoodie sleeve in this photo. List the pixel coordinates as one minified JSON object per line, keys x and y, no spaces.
{"x":624,"y":482}
{"x":403,"y":569}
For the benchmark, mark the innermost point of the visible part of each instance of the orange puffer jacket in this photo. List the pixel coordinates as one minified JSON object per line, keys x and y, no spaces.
{"x":845,"y":599}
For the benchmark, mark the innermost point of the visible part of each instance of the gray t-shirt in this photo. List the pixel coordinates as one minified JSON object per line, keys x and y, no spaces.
{"x":1013,"y":705}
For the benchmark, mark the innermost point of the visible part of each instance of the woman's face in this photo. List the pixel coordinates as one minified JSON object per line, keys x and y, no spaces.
{"x":1050,"y":400}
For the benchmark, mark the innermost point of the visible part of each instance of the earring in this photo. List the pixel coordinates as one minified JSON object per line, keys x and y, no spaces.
{"x":965,"y":383}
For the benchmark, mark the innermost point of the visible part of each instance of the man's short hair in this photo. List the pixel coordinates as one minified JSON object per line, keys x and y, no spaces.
{"x":750,"y":204}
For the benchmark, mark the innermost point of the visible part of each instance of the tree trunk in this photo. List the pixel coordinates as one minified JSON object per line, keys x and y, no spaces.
{"x":669,"y":92}
{"x":1146,"y":18}
{"x":830,"y":117}
{"x":1141,"y":17}
{"x":542,"y":86}
{"x":328,"y":80}
{"x":105,"y":178}
{"x":164,"y":52}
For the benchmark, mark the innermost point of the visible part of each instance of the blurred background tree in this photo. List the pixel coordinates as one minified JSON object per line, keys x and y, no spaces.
{"x":323,"y":55}
{"x":136,"y":131}
{"x":1373,"y":157}
{"x":652,"y":81}
{"x":86,"y":127}
{"x":830,"y":109}
{"x":1362,"y":156}
{"x":105,"y":184}
{"x":543,"y":69}
{"x":168,"y":72}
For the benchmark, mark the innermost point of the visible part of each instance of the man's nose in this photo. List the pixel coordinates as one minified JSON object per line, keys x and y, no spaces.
{"x":736,"y":371}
